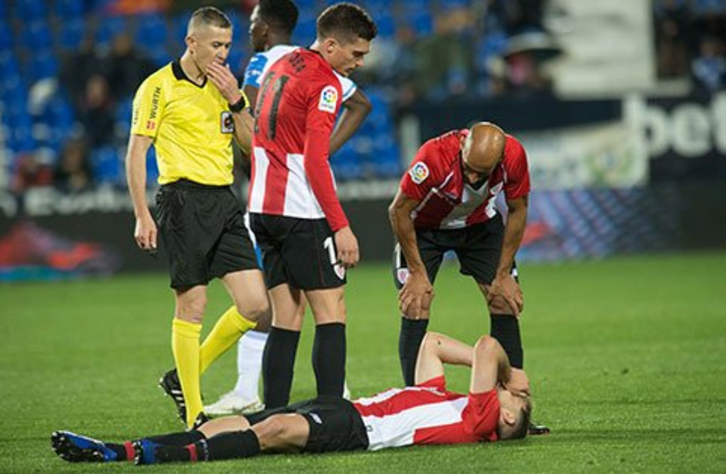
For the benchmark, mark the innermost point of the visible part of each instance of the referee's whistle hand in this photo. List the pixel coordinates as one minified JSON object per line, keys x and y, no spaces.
{"x":145,"y":233}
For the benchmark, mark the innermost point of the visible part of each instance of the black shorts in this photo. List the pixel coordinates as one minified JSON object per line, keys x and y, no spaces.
{"x":477,"y":247}
{"x":299,"y":252}
{"x":202,"y":229}
{"x":335,"y":424}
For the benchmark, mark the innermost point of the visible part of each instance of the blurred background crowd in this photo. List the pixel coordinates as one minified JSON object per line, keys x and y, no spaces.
{"x":69,"y":69}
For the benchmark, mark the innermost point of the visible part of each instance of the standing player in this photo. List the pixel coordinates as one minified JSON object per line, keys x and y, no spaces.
{"x":446,"y":201}
{"x":271,"y":25}
{"x":300,"y":226}
{"x":190,"y":110}
{"x":427,"y":414}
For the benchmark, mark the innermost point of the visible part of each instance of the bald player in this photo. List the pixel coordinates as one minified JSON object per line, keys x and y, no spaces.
{"x":446,"y":202}
{"x":190,"y":111}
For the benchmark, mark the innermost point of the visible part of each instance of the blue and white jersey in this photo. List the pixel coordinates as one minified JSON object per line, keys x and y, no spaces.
{"x":261,"y":62}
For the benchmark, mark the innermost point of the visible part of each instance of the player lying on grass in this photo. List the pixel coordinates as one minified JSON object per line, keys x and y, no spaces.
{"x":426,"y":413}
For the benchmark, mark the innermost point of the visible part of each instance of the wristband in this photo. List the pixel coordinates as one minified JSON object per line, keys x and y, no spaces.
{"x":238,"y":106}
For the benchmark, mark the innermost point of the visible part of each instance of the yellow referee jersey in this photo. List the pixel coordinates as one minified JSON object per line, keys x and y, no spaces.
{"x":191,"y":125}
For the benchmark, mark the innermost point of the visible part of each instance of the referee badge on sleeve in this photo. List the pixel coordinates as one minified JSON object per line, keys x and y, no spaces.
{"x":419,"y":172}
{"x":227,"y":122}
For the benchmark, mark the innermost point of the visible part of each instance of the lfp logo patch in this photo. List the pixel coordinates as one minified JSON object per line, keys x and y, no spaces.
{"x":419,"y":172}
{"x":328,"y":99}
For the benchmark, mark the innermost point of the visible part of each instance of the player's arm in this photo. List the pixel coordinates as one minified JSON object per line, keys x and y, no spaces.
{"x":319,"y":127}
{"x":490,"y":366}
{"x":355,"y":110}
{"x":435,"y":351}
{"x":417,"y":292}
{"x":504,"y":284}
{"x":222,"y":77}
{"x":145,"y":232}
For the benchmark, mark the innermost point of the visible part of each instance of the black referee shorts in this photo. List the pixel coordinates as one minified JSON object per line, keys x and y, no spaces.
{"x":299,"y":252}
{"x":477,"y":247}
{"x":335,"y":424}
{"x":202,"y":229}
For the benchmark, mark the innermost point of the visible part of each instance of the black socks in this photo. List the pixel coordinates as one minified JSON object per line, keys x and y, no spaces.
{"x":505,"y":329}
{"x":329,"y":358}
{"x":278,"y":364}
{"x":409,"y":341}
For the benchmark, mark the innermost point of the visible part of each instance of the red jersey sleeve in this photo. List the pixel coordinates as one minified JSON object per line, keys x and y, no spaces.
{"x":421,"y":174}
{"x":516,"y":182}
{"x":481,"y":415}
{"x":324,"y":99}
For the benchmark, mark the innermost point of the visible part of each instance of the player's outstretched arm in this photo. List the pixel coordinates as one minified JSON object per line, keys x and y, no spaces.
{"x":437,"y":350}
{"x":504,"y":286}
{"x":145,"y":232}
{"x":415,"y":297}
{"x":356,"y":109}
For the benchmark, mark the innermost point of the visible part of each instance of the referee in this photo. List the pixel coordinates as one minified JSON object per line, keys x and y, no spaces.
{"x":190,"y":110}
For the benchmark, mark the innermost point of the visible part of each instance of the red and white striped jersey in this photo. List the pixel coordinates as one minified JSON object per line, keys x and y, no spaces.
{"x":297,"y":104}
{"x":435,"y":178}
{"x":428,"y":414}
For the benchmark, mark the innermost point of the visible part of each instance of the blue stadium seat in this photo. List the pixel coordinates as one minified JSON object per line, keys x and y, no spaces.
{"x":42,"y":65}
{"x":150,"y":29}
{"x":71,"y":33}
{"x":305,"y":31}
{"x":37,"y":35}
{"x":108,"y":27}
{"x":178,"y":30}
{"x":8,"y":64}
{"x":29,"y":9}
{"x":421,"y":21}
{"x":69,"y":9}
{"x":386,"y":24}
{"x":107,"y":168}
{"x":159,"y":55}
{"x":6,"y":36}
{"x":152,"y":171}
{"x":454,"y":3}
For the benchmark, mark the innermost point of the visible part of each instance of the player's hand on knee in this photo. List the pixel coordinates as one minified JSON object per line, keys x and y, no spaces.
{"x":145,"y":233}
{"x":505,"y":295}
{"x":416,"y":295}
{"x":347,"y":247}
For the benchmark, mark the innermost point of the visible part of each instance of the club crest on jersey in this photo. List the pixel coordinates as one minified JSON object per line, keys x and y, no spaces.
{"x":419,"y":172}
{"x":402,"y":275}
{"x":339,"y":270}
{"x":328,"y":99}
{"x":227,"y":122}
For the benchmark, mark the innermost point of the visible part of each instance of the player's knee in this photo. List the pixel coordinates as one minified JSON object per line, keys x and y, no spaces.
{"x":192,"y":307}
{"x":485,"y":344}
{"x":431,"y":341}
{"x":273,"y":428}
{"x":255,"y":310}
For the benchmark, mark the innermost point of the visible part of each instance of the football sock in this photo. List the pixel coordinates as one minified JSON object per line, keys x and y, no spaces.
{"x":505,"y":329}
{"x":228,"y":329}
{"x":409,"y":341}
{"x":249,"y":364}
{"x":230,"y":445}
{"x":278,"y":363}
{"x":329,"y":358}
{"x":181,"y":438}
{"x":185,"y":346}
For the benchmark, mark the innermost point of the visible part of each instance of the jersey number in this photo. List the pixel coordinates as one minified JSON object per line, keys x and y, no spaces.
{"x":277,"y":85}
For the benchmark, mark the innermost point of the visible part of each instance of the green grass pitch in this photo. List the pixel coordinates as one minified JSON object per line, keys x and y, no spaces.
{"x":627,"y":359}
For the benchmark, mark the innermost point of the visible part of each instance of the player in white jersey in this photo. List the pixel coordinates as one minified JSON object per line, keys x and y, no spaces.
{"x":426,"y":413}
{"x":271,"y":25}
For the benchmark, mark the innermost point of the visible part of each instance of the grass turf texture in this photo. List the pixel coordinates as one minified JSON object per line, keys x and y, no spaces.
{"x":625,"y":356}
